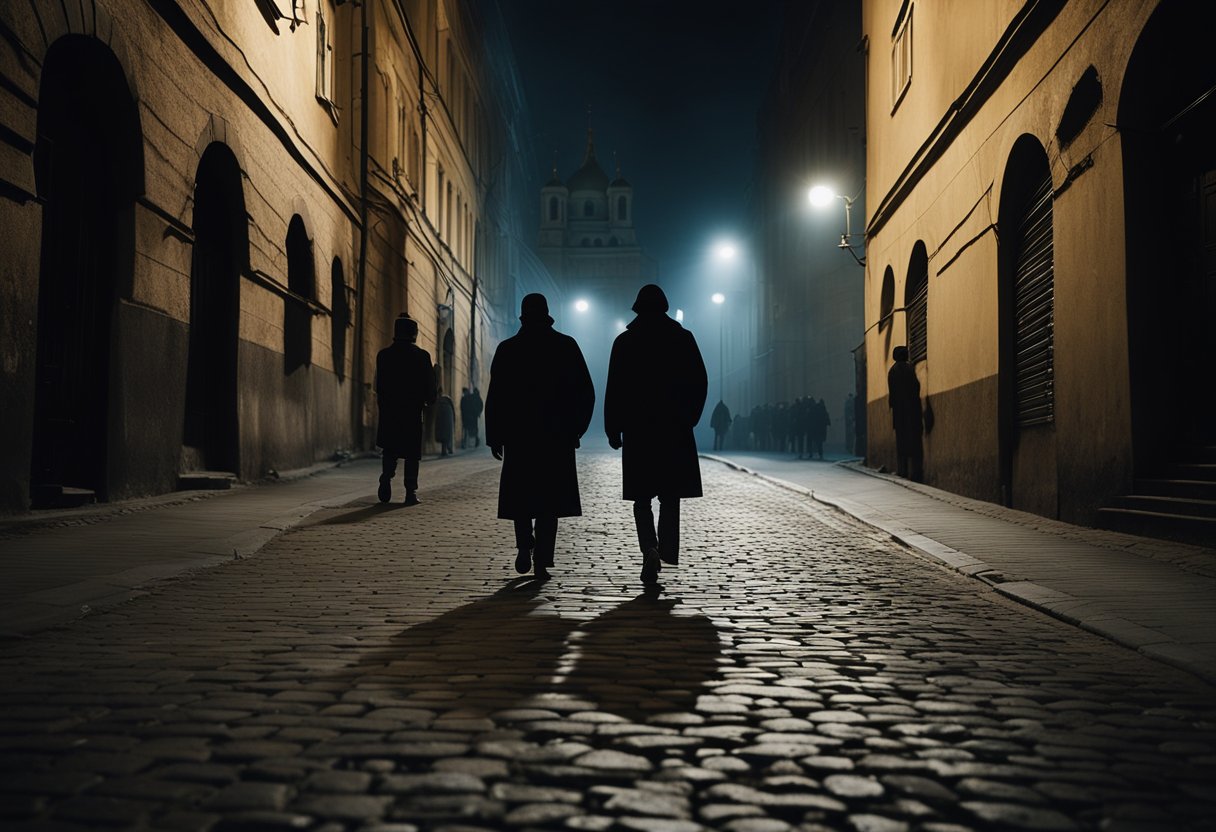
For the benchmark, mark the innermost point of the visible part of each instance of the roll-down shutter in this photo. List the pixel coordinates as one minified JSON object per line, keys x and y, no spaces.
{"x":1034,"y":311}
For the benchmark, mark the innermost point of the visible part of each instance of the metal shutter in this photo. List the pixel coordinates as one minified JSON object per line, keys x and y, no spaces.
{"x":918,"y":322}
{"x":1034,"y":311}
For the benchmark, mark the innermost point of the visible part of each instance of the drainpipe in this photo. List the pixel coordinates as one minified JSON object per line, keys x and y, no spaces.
{"x":360,"y":396}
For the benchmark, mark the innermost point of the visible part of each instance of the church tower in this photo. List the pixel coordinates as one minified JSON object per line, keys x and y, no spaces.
{"x":554,"y":201}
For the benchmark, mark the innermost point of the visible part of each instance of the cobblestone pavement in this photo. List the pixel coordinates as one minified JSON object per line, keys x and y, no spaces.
{"x":384,"y":669}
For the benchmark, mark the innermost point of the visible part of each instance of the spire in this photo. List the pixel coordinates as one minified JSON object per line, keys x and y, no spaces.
{"x":590,"y":155}
{"x":616,"y":161}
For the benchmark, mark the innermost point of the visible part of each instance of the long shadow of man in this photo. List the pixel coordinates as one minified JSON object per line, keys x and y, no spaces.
{"x":641,"y":658}
{"x":484,"y":656}
{"x":503,"y":650}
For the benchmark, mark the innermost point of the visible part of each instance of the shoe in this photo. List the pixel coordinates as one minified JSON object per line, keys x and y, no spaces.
{"x":541,"y":573}
{"x":386,"y":489}
{"x":411,"y":498}
{"x":523,"y":561}
{"x":651,"y":566}
{"x":671,"y":560}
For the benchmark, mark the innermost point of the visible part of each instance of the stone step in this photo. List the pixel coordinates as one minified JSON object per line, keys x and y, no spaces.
{"x":1181,"y":506}
{"x":60,"y":496}
{"x":1203,"y":471}
{"x":1185,"y":489}
{"x":205,"y":480}
{"x":1184,"y":528}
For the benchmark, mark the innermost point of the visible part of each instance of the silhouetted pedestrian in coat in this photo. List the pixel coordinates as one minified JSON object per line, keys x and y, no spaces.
{"x":478,"y":406}
{"x":903,"y":389}
{"x":405,"y":387}
{"x":445,"y":423}
{"x":538,"y":407}
{"x":720,"y":421}
{"x":821,"y":420}
{"x":654,"y":398}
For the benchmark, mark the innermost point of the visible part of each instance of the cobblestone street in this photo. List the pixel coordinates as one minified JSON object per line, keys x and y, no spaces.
{"x":385,"y":668}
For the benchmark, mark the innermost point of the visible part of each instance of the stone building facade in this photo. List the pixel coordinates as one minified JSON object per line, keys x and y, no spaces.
{"x":588,"y":242}
{"x":196,"y":274}
{"x":810,"y":131}
{"x":1040,"y":181}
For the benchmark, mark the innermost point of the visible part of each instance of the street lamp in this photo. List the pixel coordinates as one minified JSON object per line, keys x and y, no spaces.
{"x":720,"y":299}
{"x":725,"y":250}
{"x":821,"y":196}
{"x":581,"y":305}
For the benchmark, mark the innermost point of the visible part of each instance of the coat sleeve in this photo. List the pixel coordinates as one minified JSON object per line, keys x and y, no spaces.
{"x":614,"y":421}
{"x":495,"y":429}
{"x":697,"y":382}
{"x":582,"y":391}
{"x":432,"y":384}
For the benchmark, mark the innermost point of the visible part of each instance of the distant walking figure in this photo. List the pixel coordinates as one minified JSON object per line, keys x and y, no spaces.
{"x":470,"y":412}
{"x":445,"y":423}
{"x":655,"y":395}
{"x":720,"y":421}
{"x":903,"y":389}
{"x":405,"y":386}
{"x":537,"y":409}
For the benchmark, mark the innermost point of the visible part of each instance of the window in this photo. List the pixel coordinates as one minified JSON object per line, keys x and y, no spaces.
{"x":552,"y":209}
{"x":586,"y":243}
{"x":439,"y":201}
{"x":588,"y":209}
{"x":901,"y":56}
{"x":886,"y":303}
{"x":325,"y":63}
{"x":612,"y":241}
{"x":598,"y":242}
{"x":415,"y":157}
{"x":622,"y":208}
{"x":916,"y":301}
{"x":301,"y":283}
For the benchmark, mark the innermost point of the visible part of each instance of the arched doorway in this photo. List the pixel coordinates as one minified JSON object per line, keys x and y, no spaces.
{"x":1167,"y":121}
{"x":302,"y":281}
{"x":221,"y":251}
{"x":89,"y":166}
{"x":1026,"y":321}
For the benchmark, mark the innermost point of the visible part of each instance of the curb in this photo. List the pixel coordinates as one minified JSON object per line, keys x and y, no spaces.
{"x":1086,"y":615}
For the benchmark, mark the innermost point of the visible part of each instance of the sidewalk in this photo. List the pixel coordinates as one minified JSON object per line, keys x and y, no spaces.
{"x":53,"y":570}
{"x":1153,"y":596}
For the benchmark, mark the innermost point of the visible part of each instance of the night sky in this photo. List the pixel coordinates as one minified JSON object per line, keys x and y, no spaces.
{"x":673,"y":89}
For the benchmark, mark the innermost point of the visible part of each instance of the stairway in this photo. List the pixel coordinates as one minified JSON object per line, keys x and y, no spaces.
{"x":1178,"y":502}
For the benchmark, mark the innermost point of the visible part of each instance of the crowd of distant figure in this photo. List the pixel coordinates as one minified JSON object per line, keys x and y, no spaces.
{"x":800,"y":427}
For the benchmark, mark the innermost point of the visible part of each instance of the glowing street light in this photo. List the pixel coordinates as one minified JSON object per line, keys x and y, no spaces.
{"x":581,"y":305}
{"x":821,"y":196}
{"x":718,"y":297}
{"x":726,"y":250}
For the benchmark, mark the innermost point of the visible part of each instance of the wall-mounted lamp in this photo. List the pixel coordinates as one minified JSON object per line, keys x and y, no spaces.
{"x":821,"y":196}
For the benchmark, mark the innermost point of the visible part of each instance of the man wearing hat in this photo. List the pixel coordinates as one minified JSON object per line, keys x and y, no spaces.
{"x":655,"y":395}
{"x":538,"y":407}
{"x":405,"y":386}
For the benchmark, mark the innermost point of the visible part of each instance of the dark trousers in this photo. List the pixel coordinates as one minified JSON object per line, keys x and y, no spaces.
{"x":719,"y":440}
{"x":540,"y":539}
{"x":668,"y":537}
{"x":388,"y":465}
{"x":910,"y":454}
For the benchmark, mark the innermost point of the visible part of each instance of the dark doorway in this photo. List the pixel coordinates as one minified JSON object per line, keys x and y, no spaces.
{"x":1167,"y":120}
{"x":449,"y":362}
{"x":297,"y":314}
{"x":339,"y":321}
{"x":916,"y":303}
{"x":88,"y":159}
{"x":221,"y":251}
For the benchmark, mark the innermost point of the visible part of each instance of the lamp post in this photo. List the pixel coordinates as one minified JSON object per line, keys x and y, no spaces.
{"x":821,"y":196}
{"x":720,"y":300}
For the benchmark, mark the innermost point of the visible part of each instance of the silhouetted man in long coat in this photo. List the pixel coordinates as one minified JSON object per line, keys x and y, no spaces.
{"x":655,"y":395}
{"x":903,"y":389}
{"x":405,"y":386}
{"x":720,"y":421}
{"x":537,"y":409}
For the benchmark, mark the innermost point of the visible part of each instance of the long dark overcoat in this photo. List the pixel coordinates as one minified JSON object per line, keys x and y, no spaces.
{"x":538,"y":407}
{"x":655,"y":395}
{"x":405,"y":385}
